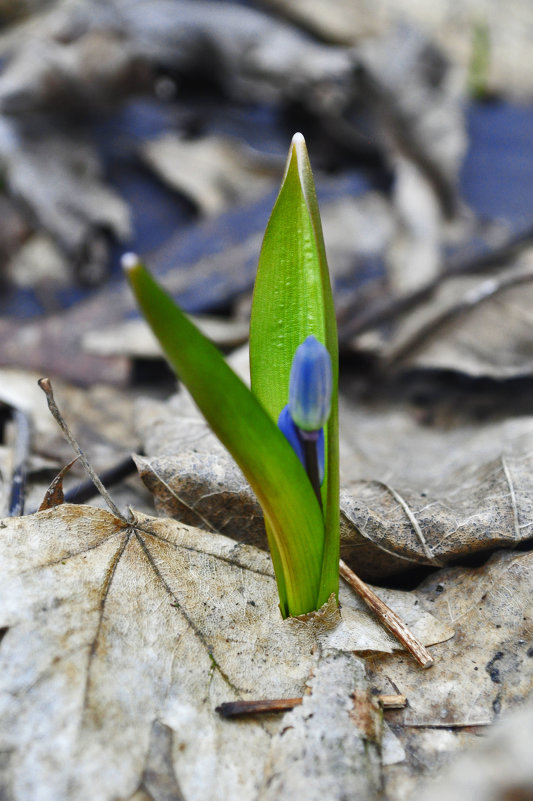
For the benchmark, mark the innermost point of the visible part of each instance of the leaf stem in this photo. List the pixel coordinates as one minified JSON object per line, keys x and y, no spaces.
{"x":46,"y":386}
{"x":311,"y":462}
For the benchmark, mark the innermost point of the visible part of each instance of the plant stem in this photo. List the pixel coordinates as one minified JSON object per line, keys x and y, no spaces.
{"x":311,"y":462}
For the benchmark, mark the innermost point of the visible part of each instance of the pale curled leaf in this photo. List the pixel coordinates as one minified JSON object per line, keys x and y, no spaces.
{"x":431,"y":494}
{"x":214,"y":172}
{"x":224,"y":504}
{"x":112,"y":628}
{"x":54,"y":495}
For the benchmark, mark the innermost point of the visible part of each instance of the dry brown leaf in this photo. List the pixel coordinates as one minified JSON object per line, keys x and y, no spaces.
{"x":346,"y":21}
{"x":487,"y":667}
{"x":498,"y":768}
{"x":135,"y":339}
{"x":214,"y":172}
{"x":120,"y":641}
{"x":206,"y":490}
{"x":429,"y":495}
{"x":54,"y":495}
{"x":413,"y":494}
{"x":480,"y":325}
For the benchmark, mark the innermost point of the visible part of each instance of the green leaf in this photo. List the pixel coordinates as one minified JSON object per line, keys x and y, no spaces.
{"x":293,"y":299}
{"x":295,"y":526}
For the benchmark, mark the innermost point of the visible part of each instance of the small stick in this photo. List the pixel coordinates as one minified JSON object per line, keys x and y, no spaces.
{"x":310,"y":444}
{"x":390,"y":619}
{"x":46,"y":387}
{"x":234,"y":709}
{"x":351,"y":326}
{"x":392,"y":701}
{"x":21,"y":453}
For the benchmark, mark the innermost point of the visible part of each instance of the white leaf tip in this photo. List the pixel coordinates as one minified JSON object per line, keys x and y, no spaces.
{"x":129,"y":261}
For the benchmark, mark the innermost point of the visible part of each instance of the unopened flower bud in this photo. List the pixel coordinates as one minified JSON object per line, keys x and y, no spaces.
{"x":295,"y":437}
{"x":310,"y":385}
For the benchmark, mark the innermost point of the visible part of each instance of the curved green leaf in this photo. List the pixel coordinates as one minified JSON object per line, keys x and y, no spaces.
{"x":294,"y":519}
{"x":293,"y":299}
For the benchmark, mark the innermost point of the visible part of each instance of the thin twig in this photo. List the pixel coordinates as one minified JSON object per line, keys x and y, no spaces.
{"x":390,"y":619}
{"x":234,"y":709}
{"x":474,"y":297}
{"x":85,"y":490}
{"x":311,"y":465}
{"x":382,"y":311}
{"x":238,"y":709}
{"x":392,"y":701}
{"x":21,"y":451}
{"x":46,"y":387}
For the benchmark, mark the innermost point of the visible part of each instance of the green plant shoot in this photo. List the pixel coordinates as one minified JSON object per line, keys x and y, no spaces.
{"x":292,"y":302}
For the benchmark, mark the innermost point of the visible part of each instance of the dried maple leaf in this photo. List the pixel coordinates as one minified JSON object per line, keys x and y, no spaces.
{"x":485,"y":670}
{"x":120,"y":639}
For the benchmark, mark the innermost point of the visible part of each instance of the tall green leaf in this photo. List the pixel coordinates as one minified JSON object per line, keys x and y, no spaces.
{"x":293,"y":516}
{"x":293,"y":299}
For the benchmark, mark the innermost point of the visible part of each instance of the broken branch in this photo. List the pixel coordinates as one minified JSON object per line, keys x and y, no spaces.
{"x":390,"y":619}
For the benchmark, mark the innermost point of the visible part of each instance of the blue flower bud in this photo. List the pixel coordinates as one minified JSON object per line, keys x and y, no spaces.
{"x":294,"y":435}
{"x":310,"y":385}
